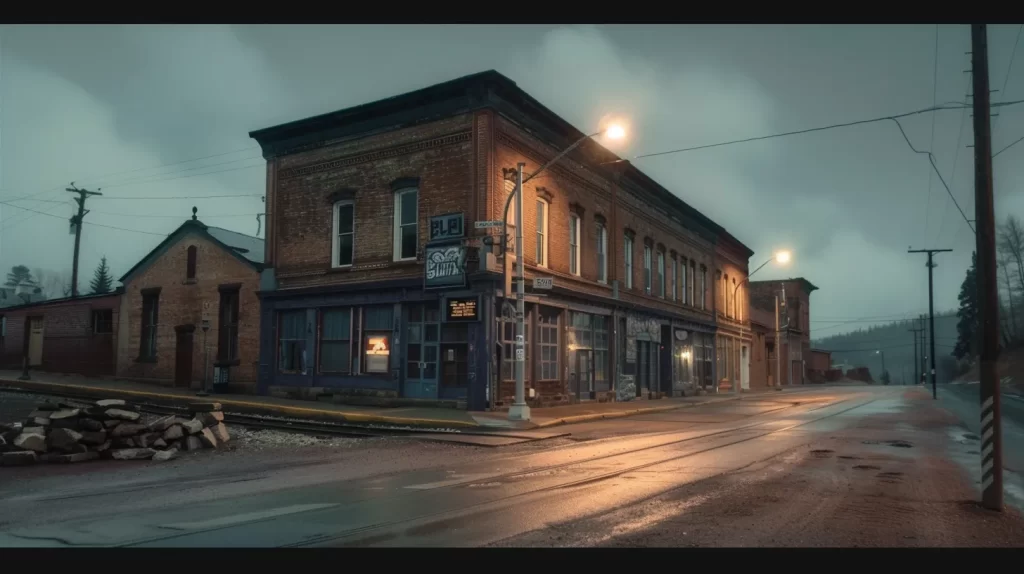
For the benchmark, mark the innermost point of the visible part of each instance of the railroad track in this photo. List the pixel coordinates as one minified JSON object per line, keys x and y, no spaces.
{"x":263,"y":422}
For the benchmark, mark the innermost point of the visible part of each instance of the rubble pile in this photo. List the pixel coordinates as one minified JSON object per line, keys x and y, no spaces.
{"x":110,"y":429}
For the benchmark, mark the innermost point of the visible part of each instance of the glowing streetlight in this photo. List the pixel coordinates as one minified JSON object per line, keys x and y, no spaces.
{"x":781,"y":257}
{"x":615,"y":132}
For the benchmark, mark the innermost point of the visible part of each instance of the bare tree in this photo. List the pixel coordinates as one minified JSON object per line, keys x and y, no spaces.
{"x":1003,"y":262}
{"x":53,"y":284}
{"x":1010,"y":241}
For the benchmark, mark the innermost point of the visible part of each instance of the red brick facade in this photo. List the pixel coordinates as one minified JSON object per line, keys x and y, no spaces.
{"x":181,"y":303}
{"x":794,"y":315}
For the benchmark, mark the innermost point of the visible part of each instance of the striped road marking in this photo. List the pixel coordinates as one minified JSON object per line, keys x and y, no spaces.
{"x":247,"y":517}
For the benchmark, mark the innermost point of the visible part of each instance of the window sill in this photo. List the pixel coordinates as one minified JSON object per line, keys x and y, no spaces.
{"x":145,"y":359}
{"x":231,"y":363}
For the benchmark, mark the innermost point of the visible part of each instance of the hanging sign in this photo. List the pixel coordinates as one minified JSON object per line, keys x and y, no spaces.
{"x":445,"y":266}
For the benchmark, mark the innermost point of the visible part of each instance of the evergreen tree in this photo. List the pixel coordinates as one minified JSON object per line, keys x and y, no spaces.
{"x":101,"y":280}
{"x":967,"y":323}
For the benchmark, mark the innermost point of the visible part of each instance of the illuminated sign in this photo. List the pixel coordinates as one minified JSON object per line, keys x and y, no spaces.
{"x":460,"y":309}
{"x":377,"y":350}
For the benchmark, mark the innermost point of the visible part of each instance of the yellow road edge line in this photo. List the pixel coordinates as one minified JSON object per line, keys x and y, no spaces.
{"x":363,"y":417}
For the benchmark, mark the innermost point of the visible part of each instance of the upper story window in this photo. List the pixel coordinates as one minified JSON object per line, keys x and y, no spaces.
{"x":661,"y":274}
{"x":703,"y":288}
{"x":150,"y":318}
{"x":574,"y":244}
{"x":692,"y":285}
{"x":732,"y":299}
{"x":647,"y":269}
{"x":190,"y":265}
{"x":343,"y":233}
{"x":683,"y":289}
{"x":628,"y":258}
{"x":542,"y":233}
{"x":674,"y":277}
{"x":602,"y":254}
{"x":406,"y":224}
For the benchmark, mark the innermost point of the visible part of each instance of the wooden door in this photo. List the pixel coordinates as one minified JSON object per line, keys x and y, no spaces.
{"x":183,"y":355}
{"x":35,"y":341}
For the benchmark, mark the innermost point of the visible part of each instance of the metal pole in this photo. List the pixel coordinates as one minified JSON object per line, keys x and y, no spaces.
{"x":778,"y":348}
{"x":988,"y":290}
{"x":931,"y":323}
{"x":519,"y":411}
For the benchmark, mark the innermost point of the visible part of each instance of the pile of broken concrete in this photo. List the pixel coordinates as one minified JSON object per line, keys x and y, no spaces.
{"x":111,"y":429}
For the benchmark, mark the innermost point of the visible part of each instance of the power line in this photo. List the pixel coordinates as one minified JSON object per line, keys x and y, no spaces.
{"x":159,"y":176}
{"x":1006,"y":79}
{"x":205,"y":216}
{"x":931,"y":144}
{"x":88,"y":222}
{"x":127,"y":198}
{"x":956,"y":154}
{"x":960,"y":105}
{"x":261,"y":164}
{"x":1007,"y":147}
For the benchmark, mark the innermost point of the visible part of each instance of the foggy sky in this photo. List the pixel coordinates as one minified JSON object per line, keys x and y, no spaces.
{"x":134,"y":103}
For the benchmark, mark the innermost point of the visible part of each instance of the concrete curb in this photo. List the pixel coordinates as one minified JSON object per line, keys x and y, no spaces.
{"x":247,"y":406}
{"x":622,"y":414}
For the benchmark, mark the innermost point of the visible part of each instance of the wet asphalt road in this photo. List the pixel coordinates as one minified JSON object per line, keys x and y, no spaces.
{"x":463,"y":501}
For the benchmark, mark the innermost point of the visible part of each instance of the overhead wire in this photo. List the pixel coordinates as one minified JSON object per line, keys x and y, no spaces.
{"x":931,"y":144}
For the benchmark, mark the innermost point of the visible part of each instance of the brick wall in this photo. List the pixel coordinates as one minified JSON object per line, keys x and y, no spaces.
{"x":181,"y":303}
{"x":69,"y":343}
{"x":441,"y":154}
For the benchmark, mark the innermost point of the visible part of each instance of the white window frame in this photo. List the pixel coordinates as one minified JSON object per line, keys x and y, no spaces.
{"x":628,"y":260}
{"x":542,"y":234}
{"x":648,"y":271}
{"x":335,"y":235}
{"x":574,"y":245}
{"x":398,"y":224}
{"x":602,"y":254}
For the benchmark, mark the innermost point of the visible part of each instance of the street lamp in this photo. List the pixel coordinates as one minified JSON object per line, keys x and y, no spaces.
{"x":781,"y":257}
{"x":882,"y":353}
{"x":519,"y":411}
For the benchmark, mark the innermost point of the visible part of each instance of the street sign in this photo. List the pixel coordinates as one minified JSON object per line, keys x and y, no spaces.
{"x":520,"y":354}
{"x":542,"y":283}
{"x":488,"y":224}
{"x":207,"y":310}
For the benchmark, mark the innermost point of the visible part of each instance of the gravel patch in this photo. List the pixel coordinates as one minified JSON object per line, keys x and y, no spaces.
{"x":260,"y":439}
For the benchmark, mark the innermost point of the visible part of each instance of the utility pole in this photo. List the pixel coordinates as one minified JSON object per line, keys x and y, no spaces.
{"x":931,"y":310}
{"x":519,"y":410}
{"x":921,"y":368}
{"x":778,"y":347}
{"x":76,"y":221}
{"x":917,"y":363}
{"x":988,"y":290}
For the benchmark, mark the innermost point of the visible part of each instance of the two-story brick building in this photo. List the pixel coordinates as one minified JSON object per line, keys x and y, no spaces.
{"x":794,"y":346}
{"x":199,"y":285}
{"x":378,"y":282}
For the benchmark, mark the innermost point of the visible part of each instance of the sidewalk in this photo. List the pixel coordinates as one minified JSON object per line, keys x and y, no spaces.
{"x":425,"y":417}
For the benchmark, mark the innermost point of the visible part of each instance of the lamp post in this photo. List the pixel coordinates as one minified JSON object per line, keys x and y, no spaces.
{"x":882,"y":353}
{"x":520,"y":411}
{"x":782,"y":257}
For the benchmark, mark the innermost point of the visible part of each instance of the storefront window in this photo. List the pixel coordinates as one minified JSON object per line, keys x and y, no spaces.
{"x":292,"y":341}
{"x":336,"y":341}
{"x":547,"y":344}
{"x":601,"y":356}
{"x":508,"y":346}
{"x":377,"y":325}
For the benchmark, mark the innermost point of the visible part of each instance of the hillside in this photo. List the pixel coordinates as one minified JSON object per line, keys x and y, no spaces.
{"x":857,"y":348}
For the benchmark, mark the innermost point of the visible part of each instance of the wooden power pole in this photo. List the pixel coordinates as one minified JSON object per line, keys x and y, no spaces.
{"x":931,"y":311}
{"x":988,"y":290}
{"x":76,"y":222}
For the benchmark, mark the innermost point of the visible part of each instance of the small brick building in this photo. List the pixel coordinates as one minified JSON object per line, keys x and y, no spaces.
{"x":198,"y":275}
{"x":795,"y":325}
{"x":71,"y":335}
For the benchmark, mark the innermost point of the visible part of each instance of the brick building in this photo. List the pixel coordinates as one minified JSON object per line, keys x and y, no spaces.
{"x":378,"y":283}
{"x":71,"y":335}
{"x":795,"y":324}
{"x":197,"y":273}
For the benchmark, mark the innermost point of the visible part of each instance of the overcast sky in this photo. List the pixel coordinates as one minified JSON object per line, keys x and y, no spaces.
{"x":125,"y":108}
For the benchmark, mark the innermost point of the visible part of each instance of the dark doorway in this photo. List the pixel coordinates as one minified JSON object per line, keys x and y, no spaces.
{"x":183,"y":355}
{"x":584,"y":374}
{"x":665,"y":361}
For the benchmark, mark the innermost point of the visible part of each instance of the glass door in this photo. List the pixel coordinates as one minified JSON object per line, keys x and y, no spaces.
{"x":584,"y":374}
{"x":422,"y":338}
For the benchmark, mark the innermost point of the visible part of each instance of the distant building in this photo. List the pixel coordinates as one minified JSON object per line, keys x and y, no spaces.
{"x":795,"y":325}
{"x":197,"y":274}
{"x":20,"y":295}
